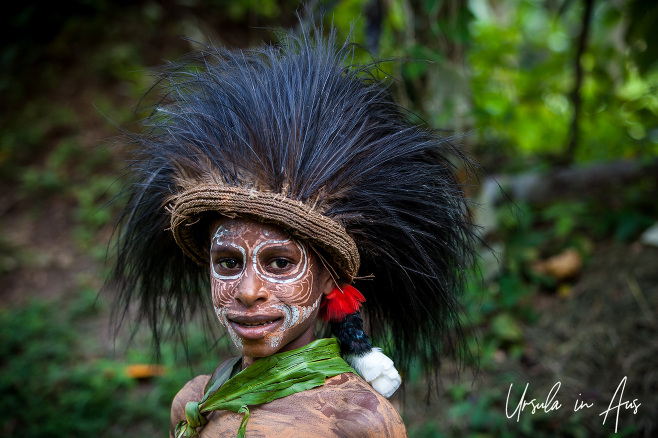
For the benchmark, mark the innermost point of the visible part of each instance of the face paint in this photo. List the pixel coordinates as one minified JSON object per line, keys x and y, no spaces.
{"x":283,"y":279}
{"x":266,"y":286}
{"x":294,"y":315}
{"x":221,"y":315}
{"x":230,"y":277}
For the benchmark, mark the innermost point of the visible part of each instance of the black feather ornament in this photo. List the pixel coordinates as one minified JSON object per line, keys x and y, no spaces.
{"x":299,"y":121}
{"x":351,"y":336}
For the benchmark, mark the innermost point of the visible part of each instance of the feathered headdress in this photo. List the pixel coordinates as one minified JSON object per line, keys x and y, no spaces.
{"x":294,"y":135}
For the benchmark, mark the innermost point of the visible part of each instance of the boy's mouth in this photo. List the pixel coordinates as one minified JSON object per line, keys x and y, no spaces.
{"x":255,"y":327}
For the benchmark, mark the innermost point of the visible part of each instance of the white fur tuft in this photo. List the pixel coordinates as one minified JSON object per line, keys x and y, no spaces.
{"x":377,"y":369}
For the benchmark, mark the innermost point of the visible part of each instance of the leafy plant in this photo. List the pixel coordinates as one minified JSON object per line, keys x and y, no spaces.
{"x":53,"y":388}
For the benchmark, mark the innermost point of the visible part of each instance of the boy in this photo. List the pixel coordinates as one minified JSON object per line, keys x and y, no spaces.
{"x":270,"y":181}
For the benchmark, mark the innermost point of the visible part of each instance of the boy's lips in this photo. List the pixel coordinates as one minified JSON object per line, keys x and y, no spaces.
{"x":256,"y":326}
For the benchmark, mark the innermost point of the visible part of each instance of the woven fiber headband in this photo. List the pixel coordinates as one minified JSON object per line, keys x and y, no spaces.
{"x":302,"y":220}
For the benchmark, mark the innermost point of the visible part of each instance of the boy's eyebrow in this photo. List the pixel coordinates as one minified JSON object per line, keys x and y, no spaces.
{"x":215,"y":247}
{"x":286,"y":248}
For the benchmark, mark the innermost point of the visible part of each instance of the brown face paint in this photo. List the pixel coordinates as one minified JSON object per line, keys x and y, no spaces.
{"x":266,"y":286}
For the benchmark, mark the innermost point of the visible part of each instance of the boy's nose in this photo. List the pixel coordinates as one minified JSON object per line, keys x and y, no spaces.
{"x":251,"y":290}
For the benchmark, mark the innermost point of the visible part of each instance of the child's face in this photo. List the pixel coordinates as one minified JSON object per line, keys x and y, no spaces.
{"x":266,"y":286}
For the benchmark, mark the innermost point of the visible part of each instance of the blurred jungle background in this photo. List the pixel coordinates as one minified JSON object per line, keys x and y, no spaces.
{"x":559,"y":101}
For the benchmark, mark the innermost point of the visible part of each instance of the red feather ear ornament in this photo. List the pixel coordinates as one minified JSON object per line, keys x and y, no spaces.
{"x":341,"y":307}
{"x":340,"y":303}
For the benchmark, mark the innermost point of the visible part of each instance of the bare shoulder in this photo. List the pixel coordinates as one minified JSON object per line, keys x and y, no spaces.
{"x":345,"y":406}
{"x":365,"y":411}
{"x":192,"y":391}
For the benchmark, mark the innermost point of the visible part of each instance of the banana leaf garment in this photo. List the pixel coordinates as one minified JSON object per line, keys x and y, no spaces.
{"x":267,"y":379}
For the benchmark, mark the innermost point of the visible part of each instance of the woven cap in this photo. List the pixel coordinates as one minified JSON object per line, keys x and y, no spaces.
{"x":298,"y":218}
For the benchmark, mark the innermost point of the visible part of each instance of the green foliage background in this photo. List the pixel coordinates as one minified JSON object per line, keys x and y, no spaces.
{"x":502,"y":71}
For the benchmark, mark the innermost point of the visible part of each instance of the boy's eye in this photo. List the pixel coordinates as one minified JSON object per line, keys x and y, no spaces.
{"x":229,"y":263}
{"x":279,"y":264}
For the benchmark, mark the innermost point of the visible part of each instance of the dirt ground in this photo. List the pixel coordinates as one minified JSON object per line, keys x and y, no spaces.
{"x":605,"y":330}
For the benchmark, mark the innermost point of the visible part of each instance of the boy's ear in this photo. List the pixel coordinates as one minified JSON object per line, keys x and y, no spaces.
{"x":327,"y":283}
{"x":328,"y":278}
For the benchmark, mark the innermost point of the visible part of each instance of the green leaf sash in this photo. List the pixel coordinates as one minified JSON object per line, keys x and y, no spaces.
{"x":267,"y":379}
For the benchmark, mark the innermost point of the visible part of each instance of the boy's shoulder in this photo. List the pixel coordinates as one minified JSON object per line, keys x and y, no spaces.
{"x":192,"y":391}
{"x":354,"y":408}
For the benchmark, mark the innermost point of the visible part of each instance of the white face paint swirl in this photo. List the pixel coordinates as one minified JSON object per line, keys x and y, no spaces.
{"x":221,"y":315}
{"x":217,"y":238}
{"x":294,"y":315}
{"x":284,"y":279}
{"x":235,"y":276}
